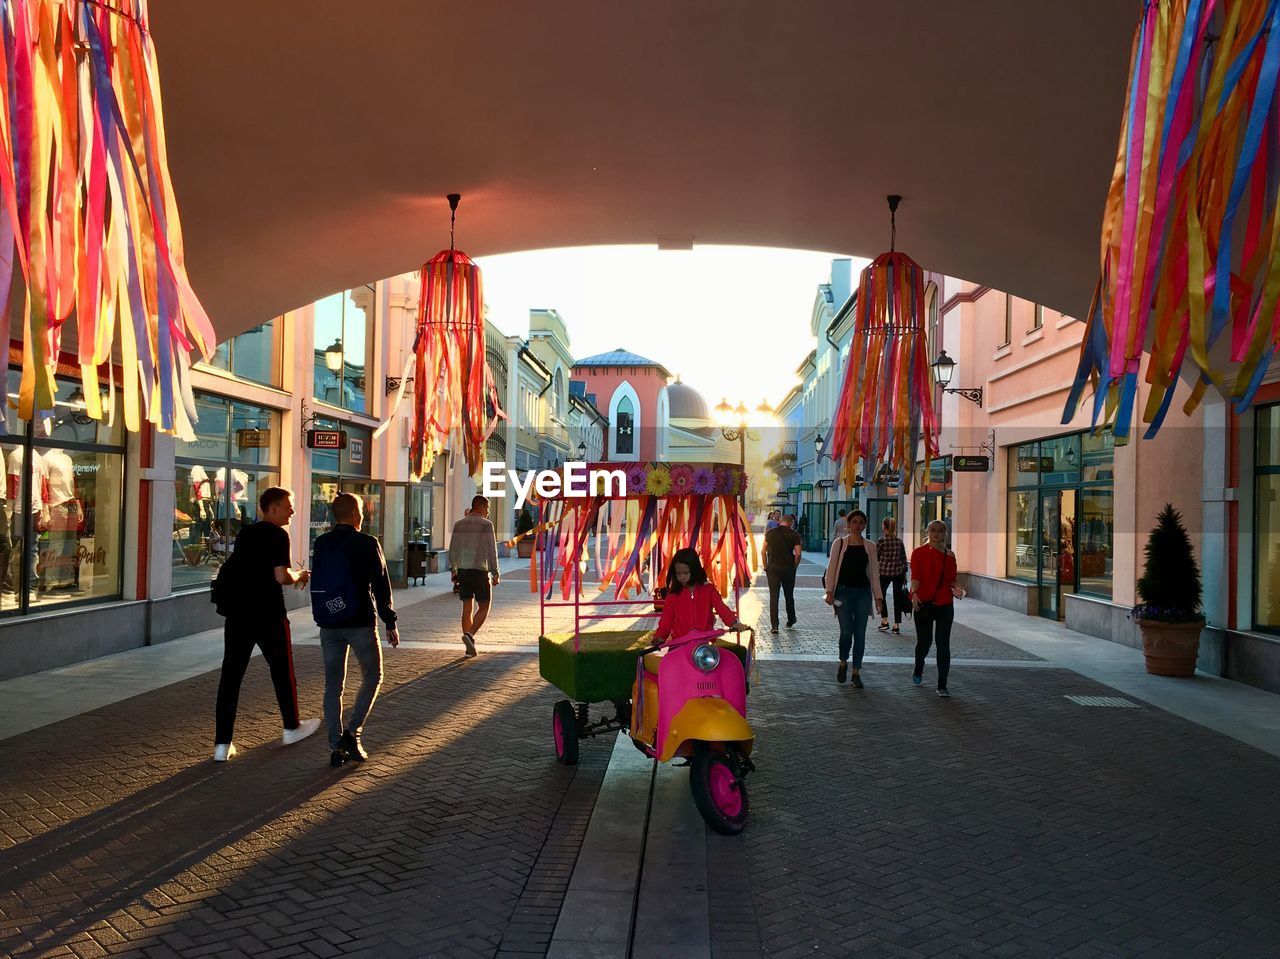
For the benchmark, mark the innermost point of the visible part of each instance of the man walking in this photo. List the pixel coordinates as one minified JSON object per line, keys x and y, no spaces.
{"x":781,"y":557}
{"x":348,"y":578}
{"x":258,"y":617}
{"x":841,"y":527}
{"x":473,"y":554}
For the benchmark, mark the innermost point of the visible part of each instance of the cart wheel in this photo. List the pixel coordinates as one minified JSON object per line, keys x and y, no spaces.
{"x":564,"y":730}
{"x":718,"y":793}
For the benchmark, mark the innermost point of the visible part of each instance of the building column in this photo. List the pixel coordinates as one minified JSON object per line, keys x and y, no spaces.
{"x":1217,"y":495}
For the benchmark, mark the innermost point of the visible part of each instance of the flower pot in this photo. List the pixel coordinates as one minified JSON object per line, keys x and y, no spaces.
{"x":1170,"y":648}
{"x":524,"y":548}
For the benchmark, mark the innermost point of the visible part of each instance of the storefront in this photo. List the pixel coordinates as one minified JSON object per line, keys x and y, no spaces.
{"x":344,"y":471}
{"x":61,"y":507}
{"x":934,"y":496}
{"x":218,"y":478}
{"x":1061,"y":517}
{"x":1266,"y":518}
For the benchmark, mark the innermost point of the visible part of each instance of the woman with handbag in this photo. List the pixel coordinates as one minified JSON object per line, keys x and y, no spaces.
{"x":933,"y":588}
{"x":851,"y":571}
{"x":892,"y":557}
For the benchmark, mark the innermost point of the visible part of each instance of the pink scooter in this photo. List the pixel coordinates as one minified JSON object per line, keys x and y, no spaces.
{"x":690,"y":700}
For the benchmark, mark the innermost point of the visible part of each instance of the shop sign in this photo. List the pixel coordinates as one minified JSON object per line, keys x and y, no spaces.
{"x":826,"y":484}
{"x":326,"y":439}
{"x":1035,"y":464}
{"x":804,"y":488}
{"x":253,"y":439}
{"x":355,"y":451}
{"x":975,"y":464}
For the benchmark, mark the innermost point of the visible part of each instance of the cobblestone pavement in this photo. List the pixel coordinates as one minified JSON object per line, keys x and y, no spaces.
{"x":119,"y":836}
{"x":1007,"y":821}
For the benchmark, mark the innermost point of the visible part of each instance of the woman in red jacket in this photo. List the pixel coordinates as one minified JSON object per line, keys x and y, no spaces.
{"x":692,"y":603}
{"x":933,"y":587}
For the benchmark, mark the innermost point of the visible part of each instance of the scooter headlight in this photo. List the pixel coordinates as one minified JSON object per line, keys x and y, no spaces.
{"x":706,"y":657}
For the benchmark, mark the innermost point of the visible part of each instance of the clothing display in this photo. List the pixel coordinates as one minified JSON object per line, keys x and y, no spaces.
{"x":59,"y":556}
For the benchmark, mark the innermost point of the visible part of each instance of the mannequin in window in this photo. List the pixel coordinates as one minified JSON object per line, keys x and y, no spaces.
{"x":64,"y":520}
{"x":36,"y":506}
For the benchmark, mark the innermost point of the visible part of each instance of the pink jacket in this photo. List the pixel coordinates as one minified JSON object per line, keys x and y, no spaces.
{"x":832,"y":577}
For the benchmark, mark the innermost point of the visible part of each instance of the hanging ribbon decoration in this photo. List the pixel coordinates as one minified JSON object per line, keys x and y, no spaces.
{"x":886,"y":400}
{"x":87,"y":205}
{"x":1191,"y":227}
{"x":713,"y":522}
{"x":453,"y":386}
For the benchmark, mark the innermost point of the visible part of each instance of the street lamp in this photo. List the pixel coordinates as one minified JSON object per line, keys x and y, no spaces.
{"x":944,"y":367}
{"x":818,"y":443}
{"x":733,"y":427}
{"x":333,"y":356}
{"x":582,"y":451}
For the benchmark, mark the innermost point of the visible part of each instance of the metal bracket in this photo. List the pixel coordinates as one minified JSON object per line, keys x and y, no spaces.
{"x":972,"y":395}
{"x":988,"y":448}
{"x":393,"y":384}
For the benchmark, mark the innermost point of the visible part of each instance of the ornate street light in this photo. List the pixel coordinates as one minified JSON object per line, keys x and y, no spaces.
{"x":944,"y":367}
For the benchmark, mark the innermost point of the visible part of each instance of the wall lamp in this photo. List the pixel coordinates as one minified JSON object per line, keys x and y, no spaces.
{"x":944,"y":368}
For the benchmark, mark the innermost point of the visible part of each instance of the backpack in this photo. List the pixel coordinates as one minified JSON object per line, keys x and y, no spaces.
{"x":227,"y":592}
{"x":336,"y":597}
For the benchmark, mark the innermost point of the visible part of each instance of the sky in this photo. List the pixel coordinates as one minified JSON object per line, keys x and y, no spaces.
{"x":733,"y":322}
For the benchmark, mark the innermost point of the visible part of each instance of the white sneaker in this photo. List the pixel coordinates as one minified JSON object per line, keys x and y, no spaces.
{"x":223,"y":751}
{"x":305,"y":729}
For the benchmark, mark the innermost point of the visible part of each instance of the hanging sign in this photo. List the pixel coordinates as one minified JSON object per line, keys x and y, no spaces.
{"x":804,"y":488}
{"x":253,"y":439}
{"x":826,"y":484}
{"x":1035,"y":464}
{"x":971,"y":464}
{"x":326,"y":439}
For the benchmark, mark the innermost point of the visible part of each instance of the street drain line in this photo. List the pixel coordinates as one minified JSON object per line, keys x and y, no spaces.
{"x":644,"y":844}
{"x":1115,"y":702}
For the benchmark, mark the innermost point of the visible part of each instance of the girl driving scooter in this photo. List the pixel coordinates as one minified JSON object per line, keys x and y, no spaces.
{"x":692,"y":603}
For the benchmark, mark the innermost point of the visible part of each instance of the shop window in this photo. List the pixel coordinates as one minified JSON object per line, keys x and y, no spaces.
{"x":62,"y":505}
{"x":218,"y":478}
{"x":1061,"y":513}
{"x":624,"y":442}
{"x":343,"y":471}
{"x":1266,"y":514}
{"x":252,"y":355}
{"x":342,"y":326}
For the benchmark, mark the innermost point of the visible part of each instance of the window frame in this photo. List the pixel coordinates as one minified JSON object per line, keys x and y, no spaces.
{"x":370,"y":333}
{"x":1259,"y":471}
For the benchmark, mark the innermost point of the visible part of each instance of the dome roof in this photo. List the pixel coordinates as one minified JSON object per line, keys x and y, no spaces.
{"x":620,"y":357}
{"x":686,"y":403}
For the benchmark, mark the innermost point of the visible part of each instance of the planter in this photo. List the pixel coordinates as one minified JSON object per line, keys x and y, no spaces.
{"x":1170,"y":648}
{"x":524,"y":548}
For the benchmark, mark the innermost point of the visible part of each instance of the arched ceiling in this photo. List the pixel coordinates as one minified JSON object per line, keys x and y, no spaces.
{"x":312,"y":141}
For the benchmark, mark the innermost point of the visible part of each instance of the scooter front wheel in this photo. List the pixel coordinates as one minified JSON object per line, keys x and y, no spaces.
{"x":718,"y":793}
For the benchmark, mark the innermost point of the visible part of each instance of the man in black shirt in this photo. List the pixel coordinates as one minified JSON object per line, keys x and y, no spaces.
{"x":781,"y":557}
{"x":349,"y":578}
{"x":259,"y":618}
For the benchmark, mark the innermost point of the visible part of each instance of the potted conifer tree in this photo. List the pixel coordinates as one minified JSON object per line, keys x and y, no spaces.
{"x":1169,"y":614}
{"x":524,"y":548}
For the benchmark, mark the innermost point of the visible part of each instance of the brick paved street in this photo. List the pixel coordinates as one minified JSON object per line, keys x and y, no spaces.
{"x":1008,"y":821}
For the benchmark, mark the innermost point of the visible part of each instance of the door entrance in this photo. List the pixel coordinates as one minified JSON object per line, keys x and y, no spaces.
{"x":1057,"y":567}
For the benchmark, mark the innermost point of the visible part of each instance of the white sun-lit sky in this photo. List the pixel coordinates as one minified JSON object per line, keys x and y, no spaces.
{"x":732,"y":322}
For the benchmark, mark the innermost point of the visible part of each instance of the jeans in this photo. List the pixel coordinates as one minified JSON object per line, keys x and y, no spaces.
{"x":334,"y":642}
{"x":934,"y":622}
{"x":271,"y":635}
{"x":783,"y":578}
{"x":897,"y":582}
{"x":854,"y":608}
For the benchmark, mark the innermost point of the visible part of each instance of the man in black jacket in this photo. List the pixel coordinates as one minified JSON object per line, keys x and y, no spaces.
{"x":346,"y":555}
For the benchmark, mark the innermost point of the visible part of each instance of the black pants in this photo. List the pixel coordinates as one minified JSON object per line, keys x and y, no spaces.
{"x":934,"y":622}
{"x":783,"y":578}
{"x":272,"y":637}
{"x":898,"y":582}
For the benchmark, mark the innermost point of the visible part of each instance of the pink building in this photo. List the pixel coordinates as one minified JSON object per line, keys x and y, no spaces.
{"x":631,"y":391}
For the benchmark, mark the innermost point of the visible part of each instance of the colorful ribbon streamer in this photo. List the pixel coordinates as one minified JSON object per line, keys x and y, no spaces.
{"x":86,"y":197}
{"x":886,"y":400}
{"x":636,"y":559}
{"x":1191,"y":228}
{"x":452,"y":384}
